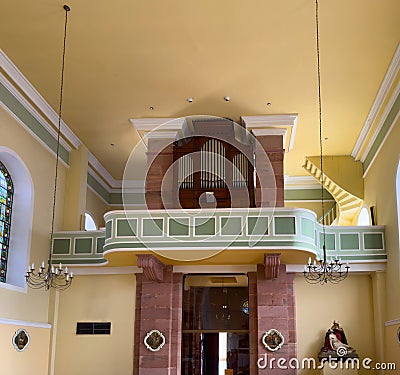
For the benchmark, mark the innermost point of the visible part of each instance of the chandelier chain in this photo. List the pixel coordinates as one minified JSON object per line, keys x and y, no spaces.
{"x":59,"y":127}
{"x":334,"y":270}
{"x":48,"y":277}
{"x":322,"y":178}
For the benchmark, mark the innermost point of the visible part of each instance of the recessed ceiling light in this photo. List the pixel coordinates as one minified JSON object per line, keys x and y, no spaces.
{"x":112,"y":144}
{"x":189,"y":100}
{"x":227,"y":98}
{"x":269,"y":104}
{"x":151,"y":107}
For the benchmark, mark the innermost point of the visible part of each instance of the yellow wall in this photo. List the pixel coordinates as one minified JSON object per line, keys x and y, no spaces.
{"x":33,"y":305}
{"x":311,"y":205}
{"x":96,"y":207}
{"x":33,"y":360}
{"x":107,"y":298}
{"x":349,"y":302}
{"x":380,"y":191}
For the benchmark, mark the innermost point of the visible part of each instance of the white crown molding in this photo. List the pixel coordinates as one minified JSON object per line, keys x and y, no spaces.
{"x":161,"y":135}
{"x":132,"y":186}
{"x":393,"y":322}
{"x":154,"y":124}
{"x":23,"y":323}
{"x":44,"y":144}
{"x":382,"y":120}
{"x":271,"y":131}
{"x":11,"y":88}
{"x":381,"y":145}
{"x":386,"y":84}
{"x":301,"y":182}
{"x":22,"y":82}
{"x":288,"y":122}
{"x":129,"y":270}
{"x":103,"y":173}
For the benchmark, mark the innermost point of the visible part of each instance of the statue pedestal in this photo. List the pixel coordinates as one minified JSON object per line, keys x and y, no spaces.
{"x":341,"y":369}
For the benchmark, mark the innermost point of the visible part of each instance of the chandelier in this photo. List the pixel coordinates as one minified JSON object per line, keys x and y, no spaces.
{"x":47,"y":276}
{"x":323,"y":270}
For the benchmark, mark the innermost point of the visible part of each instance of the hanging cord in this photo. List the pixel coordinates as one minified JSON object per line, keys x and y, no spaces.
{"x":67,"y":9}
{"x":320,"y":129}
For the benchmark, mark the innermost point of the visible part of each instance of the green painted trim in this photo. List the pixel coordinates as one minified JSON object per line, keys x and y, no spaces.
{"x":83,"y":246}
{"x":126,"y":228}
{"x":100,"y":245}
{"x":127,"y":198}
{"x":207,"y":244}
{"x":231,"y":226}
{"x":61,"y":246}
{"x":329,"y":241}
{"x":307,"y":228}
{"x":204,"y":227}
{"x":153,"y":227}
{"x":349,"y":241}
{"x":306,"y":195}
{"x":285,"y":225}
{"x":115,"y":198}
{"x":98,"y":187}
{"x":179,"y":228}
{"x":373,"y":241}
{"x":109,"y":226}
{"x":382,"y":133}
{"x":9,"y":100}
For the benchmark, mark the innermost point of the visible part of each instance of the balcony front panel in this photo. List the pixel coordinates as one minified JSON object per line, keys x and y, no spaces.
{"x":264,"y":230}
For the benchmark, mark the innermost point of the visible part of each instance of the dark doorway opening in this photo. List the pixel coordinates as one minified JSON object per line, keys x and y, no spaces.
{"x":215,"y":331}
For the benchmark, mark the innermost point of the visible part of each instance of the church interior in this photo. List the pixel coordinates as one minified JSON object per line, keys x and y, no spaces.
{"x":200,"y":188}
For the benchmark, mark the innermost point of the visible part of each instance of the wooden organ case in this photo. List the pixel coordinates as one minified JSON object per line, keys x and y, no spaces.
{"x":214,"y":171}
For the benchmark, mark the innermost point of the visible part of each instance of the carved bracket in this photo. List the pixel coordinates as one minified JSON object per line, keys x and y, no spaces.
{"x":272,"y":263}
{"x":153,"y":269}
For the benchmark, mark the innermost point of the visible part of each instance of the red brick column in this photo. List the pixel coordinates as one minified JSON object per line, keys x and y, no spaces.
{"x":275,"y":308}
{"x":158,"y":306}
{"x":273,"y":146}
{"x":159,"y":159}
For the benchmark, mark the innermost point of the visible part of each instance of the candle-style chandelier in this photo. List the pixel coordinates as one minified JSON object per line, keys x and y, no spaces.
{"x":47,"y":276}
{"x":323,"y":270}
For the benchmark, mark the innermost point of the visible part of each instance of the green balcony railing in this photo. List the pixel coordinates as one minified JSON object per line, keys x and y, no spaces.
{"x":201,"y":230}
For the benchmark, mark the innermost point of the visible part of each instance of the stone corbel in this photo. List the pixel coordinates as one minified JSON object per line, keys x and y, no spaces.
{"x":272,"y":263}
{"x":153,"y":269}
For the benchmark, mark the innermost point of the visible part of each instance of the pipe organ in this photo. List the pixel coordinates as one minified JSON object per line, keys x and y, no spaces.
{"x":208,"y":166}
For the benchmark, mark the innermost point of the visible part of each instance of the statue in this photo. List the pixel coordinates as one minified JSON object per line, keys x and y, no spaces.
{"x":336,"y":345}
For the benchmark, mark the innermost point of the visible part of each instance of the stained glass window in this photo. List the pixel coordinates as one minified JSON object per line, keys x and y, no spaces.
{"x":245,"y":307}
{"x":6,"y":200}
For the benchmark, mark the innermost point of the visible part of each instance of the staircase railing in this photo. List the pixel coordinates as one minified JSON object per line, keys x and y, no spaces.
{"x":329,"y":216}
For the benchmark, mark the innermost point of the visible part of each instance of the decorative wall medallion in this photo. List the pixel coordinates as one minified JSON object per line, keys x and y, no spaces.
{"x":245,"y":307}
{"x":273,"y":340}
{"x":154,"y":340}
{"x":21,"y":340}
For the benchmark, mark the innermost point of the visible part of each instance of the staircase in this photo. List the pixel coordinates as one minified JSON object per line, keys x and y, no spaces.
{"x":349,"y":205}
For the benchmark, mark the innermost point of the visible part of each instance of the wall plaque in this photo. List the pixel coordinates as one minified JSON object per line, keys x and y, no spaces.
{"x":154,"y":340}
{"x":21,"y":340}
{"x":273,"y":340}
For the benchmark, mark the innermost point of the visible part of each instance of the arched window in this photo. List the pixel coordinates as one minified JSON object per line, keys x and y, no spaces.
{"x":363,"y":217}
{"x":89,"y":222}
{"x":6,"y":200}
{"x":19,"y":238}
